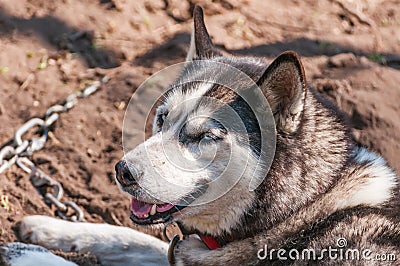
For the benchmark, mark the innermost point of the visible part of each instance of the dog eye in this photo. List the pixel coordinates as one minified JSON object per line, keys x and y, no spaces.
{"x":213,"y":135}
{"x":208,"y":137}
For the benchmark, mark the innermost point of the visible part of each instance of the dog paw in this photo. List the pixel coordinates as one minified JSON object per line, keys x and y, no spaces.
{"x":189,"y":251}
{"x":47,"y":232}
{"x":190,"y":243}
{"x":31,"y":231}
{"x":112,"y":245}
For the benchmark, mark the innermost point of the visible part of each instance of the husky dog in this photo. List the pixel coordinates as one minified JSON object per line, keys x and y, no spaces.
{"x":320,"y":199}
{"x":321,"y":190}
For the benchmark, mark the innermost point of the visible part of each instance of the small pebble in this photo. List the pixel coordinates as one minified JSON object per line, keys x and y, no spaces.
{"x":120,"y":105}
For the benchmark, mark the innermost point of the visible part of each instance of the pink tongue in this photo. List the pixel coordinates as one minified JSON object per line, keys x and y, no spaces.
{"x":164,"y":207}
{"x":139,"y":207}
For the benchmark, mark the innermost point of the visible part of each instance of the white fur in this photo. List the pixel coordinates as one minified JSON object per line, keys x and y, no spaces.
{"x":112,"y":245}
{"x":171,"y":171}
{"x":379,"y":182}
{"x":20,"y":254}
{"x":233,"y":165}
{"x":224,"y":213}
{"x":182,"y":103}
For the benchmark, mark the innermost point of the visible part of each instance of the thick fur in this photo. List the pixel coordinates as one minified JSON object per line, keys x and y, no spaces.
{"x":320,"y":187}
{"x":112,"y":245}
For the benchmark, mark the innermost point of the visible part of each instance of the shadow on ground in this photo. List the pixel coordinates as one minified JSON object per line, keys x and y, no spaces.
{"x":174,"y":50}
{"x":61,"y":36}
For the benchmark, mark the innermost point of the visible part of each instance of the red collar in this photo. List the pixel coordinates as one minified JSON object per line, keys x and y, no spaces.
{"x":211,"y":242}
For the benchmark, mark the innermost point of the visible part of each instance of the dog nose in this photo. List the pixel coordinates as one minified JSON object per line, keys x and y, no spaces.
{"x":126,"y":174}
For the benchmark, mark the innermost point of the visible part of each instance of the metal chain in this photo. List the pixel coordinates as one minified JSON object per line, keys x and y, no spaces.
{"x":20,"y":149}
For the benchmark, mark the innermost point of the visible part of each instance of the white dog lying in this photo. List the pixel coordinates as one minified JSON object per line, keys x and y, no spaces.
{"x":112,"y":245}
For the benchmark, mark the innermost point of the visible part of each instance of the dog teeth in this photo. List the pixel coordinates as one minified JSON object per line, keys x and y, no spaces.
{"x":153,"y":209}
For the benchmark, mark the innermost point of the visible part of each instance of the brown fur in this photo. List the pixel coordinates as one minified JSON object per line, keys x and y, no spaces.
{"x":319,"y":188}
{"x":313,"y":193}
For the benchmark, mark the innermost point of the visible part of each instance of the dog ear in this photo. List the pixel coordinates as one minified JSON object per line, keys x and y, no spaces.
{"x":284,"y":86}
{"x":201,"y":46}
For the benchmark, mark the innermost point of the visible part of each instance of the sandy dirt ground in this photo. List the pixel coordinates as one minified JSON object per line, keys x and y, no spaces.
{"x":49,"y":49}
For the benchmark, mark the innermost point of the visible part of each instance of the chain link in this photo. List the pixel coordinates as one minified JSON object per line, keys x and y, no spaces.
{"x":20,"y":149}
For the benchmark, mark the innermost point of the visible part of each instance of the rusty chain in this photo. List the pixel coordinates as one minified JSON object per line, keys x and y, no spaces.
{"x":18,"y":151}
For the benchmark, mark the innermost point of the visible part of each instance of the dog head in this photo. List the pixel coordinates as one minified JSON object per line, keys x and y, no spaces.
{"x":206,"y":145}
